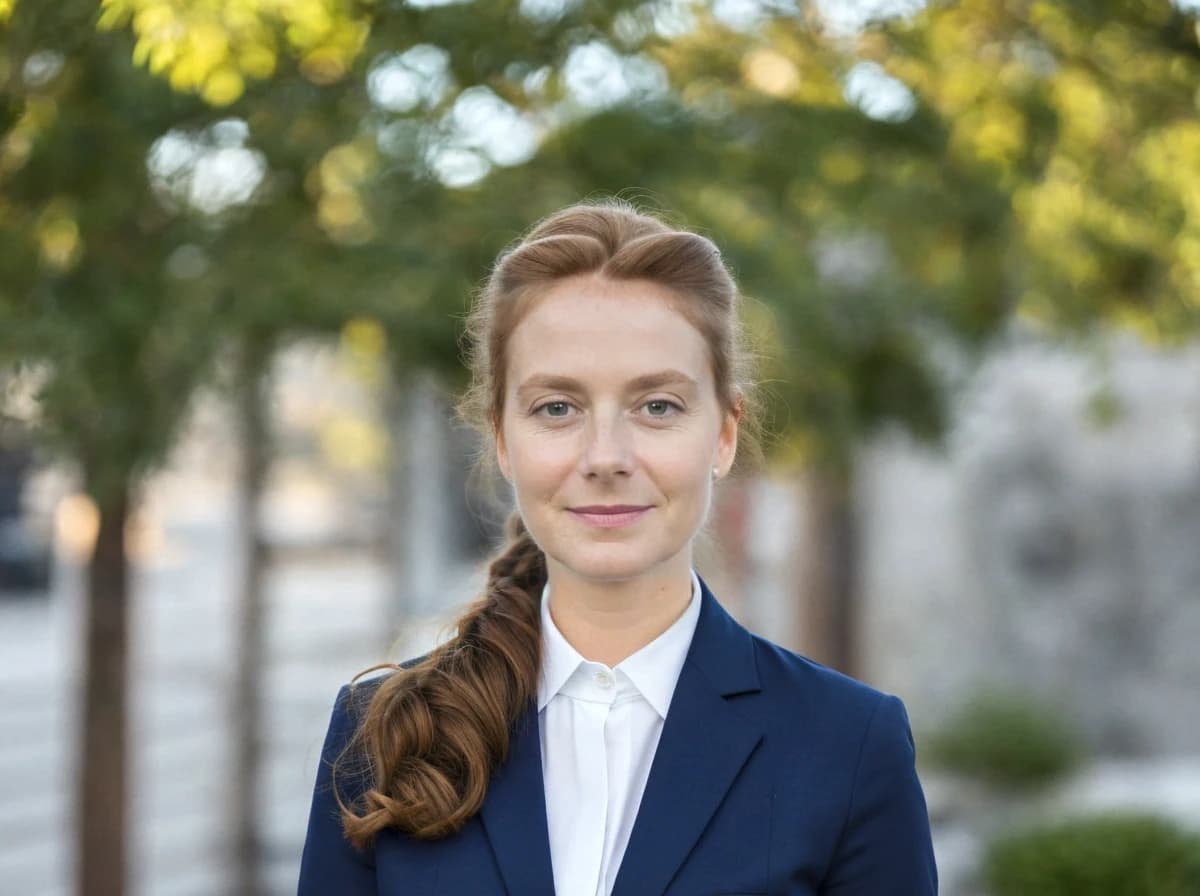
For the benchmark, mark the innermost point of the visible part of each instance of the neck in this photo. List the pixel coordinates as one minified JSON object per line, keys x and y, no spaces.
{"x":608,"y":622}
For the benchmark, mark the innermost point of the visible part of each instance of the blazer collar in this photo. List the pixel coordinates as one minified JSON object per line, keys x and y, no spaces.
{"x":722,"y":649}
{"x":704,"y":744}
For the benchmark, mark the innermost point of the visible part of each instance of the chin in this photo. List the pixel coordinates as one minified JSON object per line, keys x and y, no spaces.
{"x":617,"y":565}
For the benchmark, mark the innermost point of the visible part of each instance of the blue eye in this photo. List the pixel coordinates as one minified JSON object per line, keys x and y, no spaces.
{"x":552,"y":404}
{"x":662,"y":401}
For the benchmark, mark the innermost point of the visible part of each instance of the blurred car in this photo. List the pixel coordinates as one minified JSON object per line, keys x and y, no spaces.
{"x":25,"y":550}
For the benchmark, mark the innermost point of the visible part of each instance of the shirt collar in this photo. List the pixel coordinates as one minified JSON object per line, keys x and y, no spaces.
{"x":654,"y":669}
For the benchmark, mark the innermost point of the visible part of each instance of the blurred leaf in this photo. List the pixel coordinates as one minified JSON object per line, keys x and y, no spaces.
{"x":1007,"y":740}
{"x":1123,"y":854}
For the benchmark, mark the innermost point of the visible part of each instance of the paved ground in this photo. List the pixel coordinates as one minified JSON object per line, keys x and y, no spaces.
{"x":326,"y":623}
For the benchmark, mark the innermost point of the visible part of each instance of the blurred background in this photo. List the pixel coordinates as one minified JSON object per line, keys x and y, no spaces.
{"x":238,"y":238}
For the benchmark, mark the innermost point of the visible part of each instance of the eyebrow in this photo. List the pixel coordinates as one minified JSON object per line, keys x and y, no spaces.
{"x":646,"y":381}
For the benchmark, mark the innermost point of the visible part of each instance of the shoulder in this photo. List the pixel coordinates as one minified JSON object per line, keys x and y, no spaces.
{"x":342,"y":750}
{"x":355,"y":696}
{"x":792,"y":675}
{"x":803,"y":696}
{"x":352,"y":701}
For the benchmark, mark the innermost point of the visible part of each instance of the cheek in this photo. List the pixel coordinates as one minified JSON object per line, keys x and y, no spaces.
{"x":683,"y":471}
{"x":539,"y":463}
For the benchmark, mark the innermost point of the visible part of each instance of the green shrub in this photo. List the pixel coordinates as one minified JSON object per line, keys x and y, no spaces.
{"x":1006,"y":740}
{"x":1099,"y":855}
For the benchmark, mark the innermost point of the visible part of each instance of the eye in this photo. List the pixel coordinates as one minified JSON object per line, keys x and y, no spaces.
{"x":552,"y":404}
{"x":662,"y":403}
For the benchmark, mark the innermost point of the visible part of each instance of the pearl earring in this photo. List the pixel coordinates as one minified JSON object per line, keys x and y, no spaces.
{"x":716,"y":473}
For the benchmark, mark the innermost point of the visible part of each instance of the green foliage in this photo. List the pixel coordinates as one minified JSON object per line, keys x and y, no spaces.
{"x":871,"y":241}
{"x":1109,"y":854}
{"x":1006,"y":740}
{"x":1084,"y":114}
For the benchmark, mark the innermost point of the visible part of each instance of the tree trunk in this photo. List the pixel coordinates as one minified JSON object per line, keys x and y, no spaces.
{"x":249,"y":661}
{"x":830,"y":583}
{"x":102,"y":818}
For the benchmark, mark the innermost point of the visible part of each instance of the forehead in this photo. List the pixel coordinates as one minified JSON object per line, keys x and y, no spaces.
{"x":601,"y":331}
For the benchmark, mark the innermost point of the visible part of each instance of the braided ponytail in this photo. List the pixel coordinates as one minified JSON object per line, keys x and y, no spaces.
{"x":433,"y":732}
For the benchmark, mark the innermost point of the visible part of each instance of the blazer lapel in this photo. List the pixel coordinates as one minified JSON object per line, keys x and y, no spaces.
{"x":704,"y":744}
{"x":514,"y":814}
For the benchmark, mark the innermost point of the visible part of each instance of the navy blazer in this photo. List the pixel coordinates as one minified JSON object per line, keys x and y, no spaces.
{"x":773,"y":775}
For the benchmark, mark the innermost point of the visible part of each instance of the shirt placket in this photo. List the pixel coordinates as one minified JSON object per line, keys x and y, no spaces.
{"x":592,"y":699}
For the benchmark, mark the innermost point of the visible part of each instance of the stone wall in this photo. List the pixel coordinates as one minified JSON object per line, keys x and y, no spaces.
{"x":1054,"y":546}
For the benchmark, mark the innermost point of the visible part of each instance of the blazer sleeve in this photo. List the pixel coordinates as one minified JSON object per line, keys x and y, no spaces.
{"x":885,"y":848}
{"x":330,"y":865}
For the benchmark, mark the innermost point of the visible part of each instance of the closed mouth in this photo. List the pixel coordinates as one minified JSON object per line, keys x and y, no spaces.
{"x":612,"y":508}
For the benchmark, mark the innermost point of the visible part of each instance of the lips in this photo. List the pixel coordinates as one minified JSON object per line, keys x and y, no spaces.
{"x":610,"y":508}
{"x":611,"y":516}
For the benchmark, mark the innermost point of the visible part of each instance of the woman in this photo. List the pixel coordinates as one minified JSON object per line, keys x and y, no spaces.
{"x":599,"y":724}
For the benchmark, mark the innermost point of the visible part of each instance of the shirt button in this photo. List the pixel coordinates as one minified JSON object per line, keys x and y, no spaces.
{"x":603,"y":679}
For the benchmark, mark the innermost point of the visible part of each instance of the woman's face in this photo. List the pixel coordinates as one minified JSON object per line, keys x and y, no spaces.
{"x":589,"y":422}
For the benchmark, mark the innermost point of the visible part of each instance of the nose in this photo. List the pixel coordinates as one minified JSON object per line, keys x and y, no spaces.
{"x":608,"y":450}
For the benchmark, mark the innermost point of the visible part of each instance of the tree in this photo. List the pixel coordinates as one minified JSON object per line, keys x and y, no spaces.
{"x":90,"y":312}
{"x":1084,"y":115}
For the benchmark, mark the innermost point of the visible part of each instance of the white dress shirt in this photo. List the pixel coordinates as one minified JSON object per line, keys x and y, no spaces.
{"x":599,"y":729}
